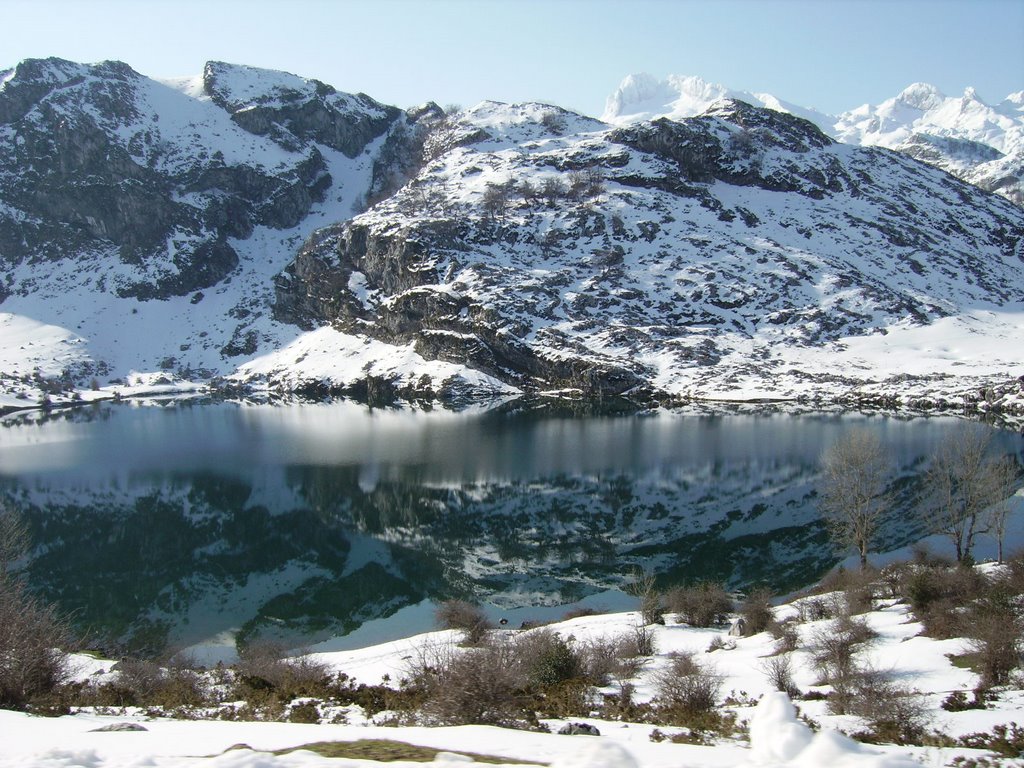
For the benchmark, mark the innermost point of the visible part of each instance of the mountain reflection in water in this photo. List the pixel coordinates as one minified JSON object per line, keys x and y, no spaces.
{"x":177,"y":524}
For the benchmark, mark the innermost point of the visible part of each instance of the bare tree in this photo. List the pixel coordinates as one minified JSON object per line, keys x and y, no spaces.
{"x":14,"y":540}
{"x":30,"y":631}
{"x":495,"y":201}
{"x":643,"y":586}
{"x":853,"y":490}
{"x":1009,"y":477}
{"x":968,"y":484}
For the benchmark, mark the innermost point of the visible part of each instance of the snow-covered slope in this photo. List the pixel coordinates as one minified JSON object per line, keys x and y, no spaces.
{"x":143,"y":221}
{"x":975,"y":141}
{"x":152,"y":228}
{"x":738,"y":254}
{"x":899,"y":652}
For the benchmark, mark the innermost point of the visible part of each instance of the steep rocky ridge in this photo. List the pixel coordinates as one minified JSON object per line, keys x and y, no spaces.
{"x":169,"y":233}
{"x":92,"y":167}
{"x":655,"y":258}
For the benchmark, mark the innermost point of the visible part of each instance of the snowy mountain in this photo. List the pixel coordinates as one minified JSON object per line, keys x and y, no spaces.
{"x":181,"y":231}
{"x":977,"y":142}
{"x":741,"y":252}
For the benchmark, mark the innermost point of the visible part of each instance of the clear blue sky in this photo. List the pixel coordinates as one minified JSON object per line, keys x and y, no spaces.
{"x":829,"y":54}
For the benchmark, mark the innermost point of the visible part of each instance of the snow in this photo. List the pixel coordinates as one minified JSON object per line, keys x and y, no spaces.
{"x":778,"y":738}
{"x":919,"y":108}
{"x":76,"y":321}
{"x":341,"y":360}
{"x":643,"y":97}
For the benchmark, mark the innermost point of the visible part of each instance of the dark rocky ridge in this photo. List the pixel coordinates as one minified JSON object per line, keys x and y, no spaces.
{"x":542,"y":248}
{"x":458,"y":278}
{"x":75,"y":180}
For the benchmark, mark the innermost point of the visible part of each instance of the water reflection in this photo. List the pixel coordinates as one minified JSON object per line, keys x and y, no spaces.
{"x":174,"y":524}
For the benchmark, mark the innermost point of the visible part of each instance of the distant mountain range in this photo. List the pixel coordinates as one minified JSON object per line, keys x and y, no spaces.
{"x":254,"y":229}
{"x":980,"y":143}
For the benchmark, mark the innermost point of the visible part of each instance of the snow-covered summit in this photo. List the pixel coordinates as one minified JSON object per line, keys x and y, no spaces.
{"x":945,"y":131}
{"x":642,"y":97}
{"x":522,"y":243}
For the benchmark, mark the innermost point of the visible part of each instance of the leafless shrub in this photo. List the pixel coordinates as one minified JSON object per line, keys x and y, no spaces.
{"x":815,"y":609}
{"x":833,"y":649}
{"x":894,"y":713}
{"x":995,"y":628}
{"x":553,"y":189}
{"x":779,"y":671}
{"x":465,"y":616}
{"x":938,"y":596}
{"x":476,"y":686}
{"x":639,"y":643}
{"x":756,"y":610}
{"x":701,"y":605}
{"x":584,"y":183}
{"x":32,"y":633}
{"x":786,"y":635}
{"x":687,"y":691}
{"x":893,"y":578}
{"x":601,"y":660}
{"x":718,"y":643}
{"x":264,"y":671}
{"x":554,"y":122}
{"x":144,"y":682}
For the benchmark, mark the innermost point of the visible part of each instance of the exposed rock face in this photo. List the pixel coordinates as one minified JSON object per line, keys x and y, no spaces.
{"x":92,"y":167}
{"x":622,"y":261}
{"x":295,"y":111}
{"x":170,"y":228}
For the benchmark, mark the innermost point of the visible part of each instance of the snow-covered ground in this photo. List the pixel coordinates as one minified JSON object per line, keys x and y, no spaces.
{"x":777,"y":736}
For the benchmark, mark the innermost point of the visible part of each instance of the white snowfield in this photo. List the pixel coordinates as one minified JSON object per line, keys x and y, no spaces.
{"x":778,"y":737}
{"x":919,"y":108}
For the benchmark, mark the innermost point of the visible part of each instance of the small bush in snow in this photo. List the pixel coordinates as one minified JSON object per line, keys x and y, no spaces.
{"x":546,"y":659}
{"x":787,"y":637}
{"x":895,"y":714}
{"x":779,"y":671}
{"x":994,"y":627}
{"x":1005,"y":740}
{"x":478,"y":685}
{"x":701,"y":605}
{"x":470,"y":618}
{"x":815,"y":609}
{"x":264,"y":673}
{"x":642,"y":586}
{"x":756,"y":610}
{"x":833,"y":649}
{"x":687,"y":691}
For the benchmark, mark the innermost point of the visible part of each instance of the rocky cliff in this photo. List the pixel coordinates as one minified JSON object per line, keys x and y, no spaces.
{"x":271,"y":230}
{"x":659,"y":258}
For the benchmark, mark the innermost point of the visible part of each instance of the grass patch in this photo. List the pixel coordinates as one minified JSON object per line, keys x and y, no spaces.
{"x":970,"y":660}
{"x":386,"y":751}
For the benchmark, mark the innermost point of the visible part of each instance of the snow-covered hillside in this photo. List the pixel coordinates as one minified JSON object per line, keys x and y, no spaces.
{"x":924,"y":675}
{"x":160,"y":233}
{"x":975,"y":141}
{"x":735,"y":255}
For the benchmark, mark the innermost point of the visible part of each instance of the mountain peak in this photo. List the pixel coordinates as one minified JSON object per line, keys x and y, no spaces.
{"x":922,"y":96}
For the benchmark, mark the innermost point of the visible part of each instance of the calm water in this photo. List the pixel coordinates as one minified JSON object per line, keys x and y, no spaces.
{"x":185,"y":524}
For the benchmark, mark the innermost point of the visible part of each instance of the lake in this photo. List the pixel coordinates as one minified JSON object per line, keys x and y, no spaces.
{"x":196,"y":523}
